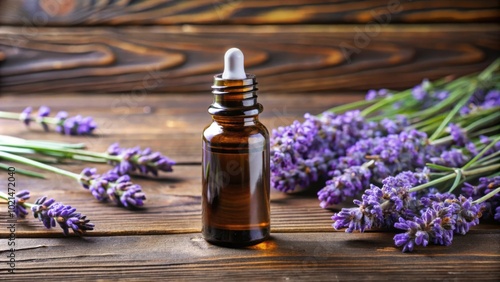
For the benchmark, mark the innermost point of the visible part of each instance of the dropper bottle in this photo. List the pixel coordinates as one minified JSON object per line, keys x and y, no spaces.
{"x":236,"y":177}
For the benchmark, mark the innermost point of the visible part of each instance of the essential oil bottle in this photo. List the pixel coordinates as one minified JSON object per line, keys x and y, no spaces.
{"x":236,"y":177}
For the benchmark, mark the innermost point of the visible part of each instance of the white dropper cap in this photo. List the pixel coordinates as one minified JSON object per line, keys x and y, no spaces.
{"x":234,"y":68}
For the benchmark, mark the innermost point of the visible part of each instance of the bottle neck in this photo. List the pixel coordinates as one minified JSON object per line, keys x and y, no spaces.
{"x":235,"y":99}
{"x":237,"y":121}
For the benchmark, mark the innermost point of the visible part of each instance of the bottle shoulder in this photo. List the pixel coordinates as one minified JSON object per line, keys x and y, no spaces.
{"x":254,"y":133}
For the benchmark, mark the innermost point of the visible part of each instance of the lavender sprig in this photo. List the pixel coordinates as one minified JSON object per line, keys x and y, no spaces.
{"x":19,"y":199}
{"x":111,"y":186}
{"x":49,"y":212}
{"x":103,"y":187}
{"x":441,"y":216}
{"x":485,"y":186}
{"x":76,"y":125}
{"x":381,"y":207}
{"x":134,"y":159}
{"x":124,"y":160}
{"x":434,"y":225}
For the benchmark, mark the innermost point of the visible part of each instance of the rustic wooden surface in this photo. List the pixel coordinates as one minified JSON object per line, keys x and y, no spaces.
{"x":162,"y":12}
{"x":162,"y":240}
{"x":287,"y":59}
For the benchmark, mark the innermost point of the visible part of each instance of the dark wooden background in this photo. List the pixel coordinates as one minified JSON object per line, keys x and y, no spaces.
{"x":125,"y":55}
{"x":297,"y":46}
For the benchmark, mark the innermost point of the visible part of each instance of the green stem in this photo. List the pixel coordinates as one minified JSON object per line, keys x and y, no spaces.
{"x":487,"y":159}
{"x":450,"y":115}
{"x":471,"y":162}
{"x":433,"y":182}
{"x":487,"y":196}
{"x":350,"y":106}
{"x":23,"y":160}
{"x":432,"y":111}
{"x":454,"y":174}
{"x":492,"y":118}
{"x":68,"y":153}
{"x":9,"y":115}
{"x":386,"y":101}
{"x":486,"y":131}
{"x":17,"y":116}
{"x":16,"y":140}
{"x":23,"y":171}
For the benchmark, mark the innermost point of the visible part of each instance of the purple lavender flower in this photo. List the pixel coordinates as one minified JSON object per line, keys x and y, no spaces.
{"x":427,"y":95}
{"x":49,"y":212}
{"x":43,"y":112}
{"x":491,"y":100}
{"x":125,"y":193}
{"x":76,"y":125}
{"x":497,"y":214}
{"x":451,"y":158}
{"x":441,"y":95}
{"x":373,"y":94}
{"x":343,"y":185}
{"x":303,"y":153}
{"x":458,"y":135}
{"x":485,"y":186}
{"x":419,"y":92}
{"x":25,"y":115}
{"x":391,"y":154}
{"x":381,"y":207}
{"x":111,"y":186}
{"x":481,"y":100}
{"x":435,"y":225}
{"x":60,"y":118}
{"x":19,"y":199}
{"x":135,"y":159}
{"x":465,"y":213}
{"x":485,"y":140}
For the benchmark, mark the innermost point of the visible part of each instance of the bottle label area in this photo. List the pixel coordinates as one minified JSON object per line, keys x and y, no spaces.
{"x":235,"y":190}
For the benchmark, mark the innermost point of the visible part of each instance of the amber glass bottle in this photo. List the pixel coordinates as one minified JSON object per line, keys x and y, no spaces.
{"x":236,"y":183}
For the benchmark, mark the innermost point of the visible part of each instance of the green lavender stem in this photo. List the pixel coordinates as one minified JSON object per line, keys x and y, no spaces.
{"x":64,"y":152}
{"x":16,"y":140}
{"x":17,"y":116}
{"x":465,"y":173}
{"x":23,"y":171}
{"x":487,"y":196}
{"x":478,"y":156}
{"x":350,"y":106}
{"x":23,"y":160}
{"x":451,"y":115}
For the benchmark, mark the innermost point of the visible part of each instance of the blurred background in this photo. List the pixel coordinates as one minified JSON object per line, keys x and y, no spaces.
{"x":295,"y":46}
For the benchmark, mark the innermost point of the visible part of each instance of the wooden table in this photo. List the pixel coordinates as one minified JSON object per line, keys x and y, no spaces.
{"x":163,"y":241}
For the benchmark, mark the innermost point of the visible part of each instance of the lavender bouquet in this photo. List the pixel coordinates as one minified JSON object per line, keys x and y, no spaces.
{"x":113,"y":186}
{"x":405,"y":154}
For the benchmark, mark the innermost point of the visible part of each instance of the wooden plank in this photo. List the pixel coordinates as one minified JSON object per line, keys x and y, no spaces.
{"x":294,"y":59}
{"x":295,"y":256}
{"x":167,"y":12}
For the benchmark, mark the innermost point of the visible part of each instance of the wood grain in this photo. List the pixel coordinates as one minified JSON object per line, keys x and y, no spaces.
{"x":168,"y":12}
{"x":295,"y":257}
{"x":141,"y":60}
